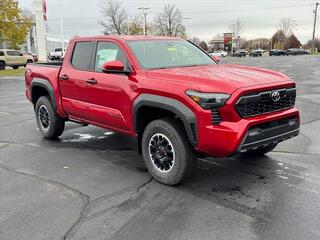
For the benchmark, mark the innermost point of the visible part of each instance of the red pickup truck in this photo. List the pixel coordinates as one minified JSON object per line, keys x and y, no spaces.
{"x":168,"y":93}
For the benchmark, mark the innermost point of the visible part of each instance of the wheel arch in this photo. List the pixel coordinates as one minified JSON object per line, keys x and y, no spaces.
{"x":41,"y":87}
{"x":163,"y":105}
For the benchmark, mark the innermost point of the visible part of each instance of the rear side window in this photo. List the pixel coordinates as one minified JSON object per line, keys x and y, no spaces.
{"x":1,"y":53}
{"x":81,"y":57}
{"x":11,"y":53}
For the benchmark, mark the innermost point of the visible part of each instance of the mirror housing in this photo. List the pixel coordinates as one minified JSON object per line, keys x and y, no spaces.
{"x":215,"y":58}
{"x":115,"y":67}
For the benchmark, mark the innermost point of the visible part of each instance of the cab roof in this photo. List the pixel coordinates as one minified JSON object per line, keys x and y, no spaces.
{"x":127,"y":37}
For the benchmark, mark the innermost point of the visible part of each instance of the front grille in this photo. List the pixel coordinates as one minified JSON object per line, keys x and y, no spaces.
{"x":215,"y":116}
{"x":260,"y":103}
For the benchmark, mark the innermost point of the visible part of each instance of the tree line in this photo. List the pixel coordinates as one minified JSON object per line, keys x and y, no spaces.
{"x":116,"y":20}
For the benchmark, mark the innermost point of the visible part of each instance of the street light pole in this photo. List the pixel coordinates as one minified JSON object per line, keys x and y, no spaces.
{"x":314,"y":27}
{"x":144,"y":10}
{"x":61,"y":26}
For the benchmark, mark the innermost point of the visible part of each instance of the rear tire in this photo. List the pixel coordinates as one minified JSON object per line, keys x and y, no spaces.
{"x":2,"y":65}
{"x":15,"y":67}
{"x":167,"y":152}
{"x":49,"y":123}
{"x":261,"y":151}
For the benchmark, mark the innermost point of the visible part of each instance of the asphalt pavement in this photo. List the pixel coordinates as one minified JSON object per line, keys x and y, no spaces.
{"x":91,"y":183}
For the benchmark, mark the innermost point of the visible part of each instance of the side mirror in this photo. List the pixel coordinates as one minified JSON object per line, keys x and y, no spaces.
{"x":216,"y":58}
{"x":115,"y":67}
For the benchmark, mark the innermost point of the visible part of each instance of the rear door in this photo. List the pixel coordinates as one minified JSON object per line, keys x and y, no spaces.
{"x":109,"y":94}
{"x":11,"y":58}
{"x":73,"y":80}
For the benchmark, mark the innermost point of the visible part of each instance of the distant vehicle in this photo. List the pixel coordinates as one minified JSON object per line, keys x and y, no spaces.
{"x":34,"y":56}
{"x":256,"y":53}
{"x":14,"y":59}
{"x":240,"y":53}
{"x":278,"y":52}
{"x":58,"y":54}
{"x":218,"y":53}
{"x":293,"y":51}
{"x":303,"y":51}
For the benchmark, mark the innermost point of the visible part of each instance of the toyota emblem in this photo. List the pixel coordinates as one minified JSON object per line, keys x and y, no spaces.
{"x":275,"y":96}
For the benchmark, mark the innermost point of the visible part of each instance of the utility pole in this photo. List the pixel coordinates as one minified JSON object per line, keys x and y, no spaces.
{"x":144,"y":10}
{"x":314,"y":26}
{"x":61,"y":26}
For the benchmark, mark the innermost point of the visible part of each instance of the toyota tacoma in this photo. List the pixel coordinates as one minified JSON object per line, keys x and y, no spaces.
{"x":169,"y":94}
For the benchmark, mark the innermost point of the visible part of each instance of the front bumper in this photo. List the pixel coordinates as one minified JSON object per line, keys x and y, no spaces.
{"x":228,"y":138}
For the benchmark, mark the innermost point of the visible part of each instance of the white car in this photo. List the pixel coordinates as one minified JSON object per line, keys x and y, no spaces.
{"x":219,"y":53}
{"x":58,"y":54}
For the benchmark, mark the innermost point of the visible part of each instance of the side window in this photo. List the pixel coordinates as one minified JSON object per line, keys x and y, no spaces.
{"x":107,"y":52}
{"x":10,"y":53}
{"x":81,"y":57}
{"x":18,"y":54}
{"x":1,"y":53}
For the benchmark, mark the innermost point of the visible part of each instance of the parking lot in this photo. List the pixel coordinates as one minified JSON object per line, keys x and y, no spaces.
{"x":92,"y":184}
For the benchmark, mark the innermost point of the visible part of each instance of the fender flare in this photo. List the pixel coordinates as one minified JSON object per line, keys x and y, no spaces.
{"x":178,"y":108}
{"x":39,"y":82}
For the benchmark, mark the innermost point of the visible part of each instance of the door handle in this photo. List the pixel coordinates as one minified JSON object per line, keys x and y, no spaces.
{"x":64,"y":77}
{"x":92,"y":81}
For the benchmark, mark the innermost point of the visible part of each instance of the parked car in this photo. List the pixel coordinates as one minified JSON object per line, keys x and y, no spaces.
{"x":240,"y":53}
{"x":303,"y":51}
{"x":293,"y":51}
{"x":255,"y":53}
{"x":278,"y":52}
{"x":169,"y":94}
{"x":57,"y":54}
{"x":219,"y":53}
{"x":34,"y":56}
{"x":13,"y":58}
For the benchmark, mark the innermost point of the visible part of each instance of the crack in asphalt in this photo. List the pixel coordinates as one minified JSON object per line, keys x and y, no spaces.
{"x":87,"y":205}
{"x":84,"y":215}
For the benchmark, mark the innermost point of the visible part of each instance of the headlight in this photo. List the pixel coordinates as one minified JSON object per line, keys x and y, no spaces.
{"x":208,"y":100}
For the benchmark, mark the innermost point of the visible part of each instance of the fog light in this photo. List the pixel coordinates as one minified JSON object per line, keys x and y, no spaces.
{"x":254,"y":132}
{"x":292,"y":122}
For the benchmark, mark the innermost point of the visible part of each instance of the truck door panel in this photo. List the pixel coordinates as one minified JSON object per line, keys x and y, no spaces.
{"x":109,"y":97}
{"x":73,"y":80}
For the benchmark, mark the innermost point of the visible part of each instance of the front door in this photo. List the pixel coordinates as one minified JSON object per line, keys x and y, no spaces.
{"x":109,"y":94}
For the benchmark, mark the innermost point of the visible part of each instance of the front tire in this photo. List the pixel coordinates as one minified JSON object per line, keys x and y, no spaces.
{"x":49,"y":123}
{"x":167,"y":152}
{"x":15,"y":67}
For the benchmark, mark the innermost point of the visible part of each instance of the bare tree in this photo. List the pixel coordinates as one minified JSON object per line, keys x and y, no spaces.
{"x":287,"y":25}
{"x":237,"y":28}
{"x":114,"y":16}
{"x":134,"y":26}
{"x":170,"y":22}
{"x":195,"y":40}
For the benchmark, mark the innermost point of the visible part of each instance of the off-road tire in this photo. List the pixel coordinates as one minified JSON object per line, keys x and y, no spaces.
{"x":184,"y":153}
{"x":56,"y":123}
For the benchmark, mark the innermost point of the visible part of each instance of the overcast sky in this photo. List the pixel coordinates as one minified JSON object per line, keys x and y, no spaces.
{"x":208,"y":17}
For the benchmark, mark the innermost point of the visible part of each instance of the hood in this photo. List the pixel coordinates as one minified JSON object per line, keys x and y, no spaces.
{"x":222,"y":78}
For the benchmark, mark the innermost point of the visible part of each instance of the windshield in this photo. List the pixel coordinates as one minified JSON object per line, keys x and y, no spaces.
{"x":155,"y":54}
